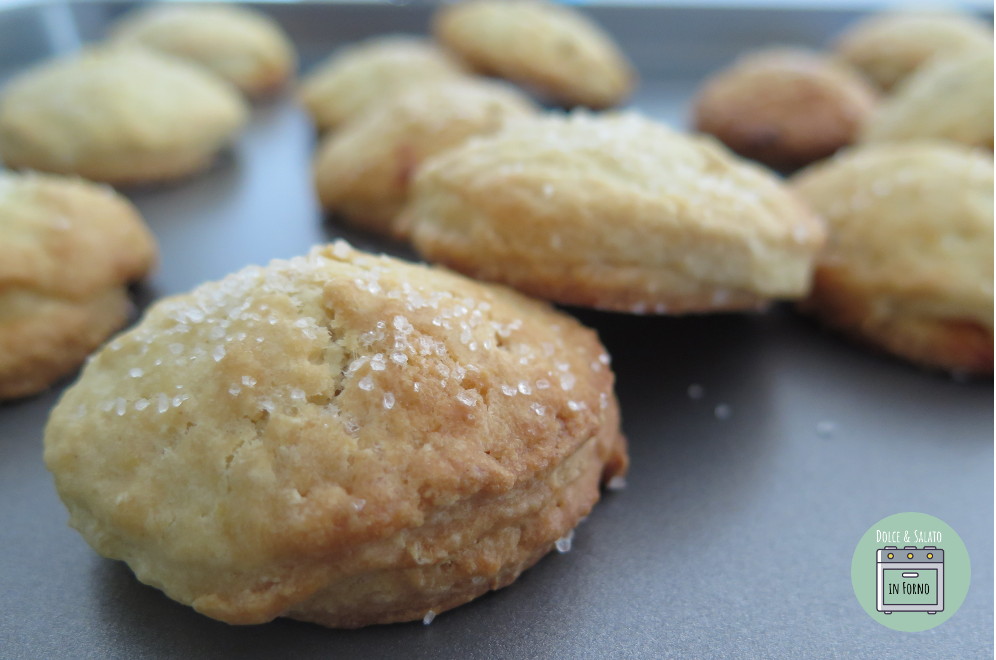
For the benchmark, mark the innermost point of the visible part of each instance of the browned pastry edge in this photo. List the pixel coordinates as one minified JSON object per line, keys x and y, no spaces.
{"x":604,"y":286}
{"x":54,"y":341}
{"x":958,"y":345}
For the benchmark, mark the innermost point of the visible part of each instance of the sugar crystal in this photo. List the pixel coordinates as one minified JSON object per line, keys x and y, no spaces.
{"x":617,"y":482}
{"x":564,"y":542}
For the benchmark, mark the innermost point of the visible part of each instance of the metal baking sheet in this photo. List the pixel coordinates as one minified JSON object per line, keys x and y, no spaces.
{"x":735,"y":534}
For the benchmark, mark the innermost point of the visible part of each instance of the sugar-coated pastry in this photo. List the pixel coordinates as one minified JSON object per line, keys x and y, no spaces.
{"x":242,"y":45}
{"x":68,"y":249}
{"x":614,"y":212}
{"x":949,"y":98}
{"x":550,"y":48}
{"x":120,"y":115}
{"x":908,"y":265}
{"x":363,"y":171}
{"x":889,"y":46}
{"x":356,"y":79}
{"x":784,"y":107}
{"x":338,"y":438}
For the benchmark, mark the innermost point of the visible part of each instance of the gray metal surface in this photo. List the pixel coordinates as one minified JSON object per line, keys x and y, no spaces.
{"x":734,"y":537}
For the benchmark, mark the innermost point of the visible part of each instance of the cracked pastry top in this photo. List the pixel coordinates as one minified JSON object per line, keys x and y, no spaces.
{"x":949,"y":98}
{"x":359,"y":77}
{"x":784,"y":107}
{"x":889,"y":46}
{"x":908,"y":265}
{"x":242,"y":45}
{"x":68,"y":249}
{"x":550,"y":48}
{"x":364,"y":170}
{"x":120,"y":115}
{"x":340,"y":438}
{"x":616,"y":212}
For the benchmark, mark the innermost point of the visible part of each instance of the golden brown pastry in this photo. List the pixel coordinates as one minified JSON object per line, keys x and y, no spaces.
{"x":949,"y":98}
{"x":909,"y":261}
{"x":784,"y":107}
{"x":614,"y":212}
{"x":358,"y":78}
{"x":548,"y":47}
{"x":889,"y":46}
{"x":242,"y":45}
{"x":363,"y":171}
{"x":120,"y":115}
{"x":338,"y":438}
{"x":68,"y":249}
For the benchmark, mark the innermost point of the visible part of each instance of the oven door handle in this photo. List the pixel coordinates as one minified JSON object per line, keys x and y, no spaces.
{"x":911,"y":575}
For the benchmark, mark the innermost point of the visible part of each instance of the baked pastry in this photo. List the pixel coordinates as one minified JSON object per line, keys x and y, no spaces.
{"x":614,"y":212}
{"x":551,"y":48}
{"x":950,"y":98}
{"x":784,"y":107}
{"x":119,"y":115}
{"x":889,"y":46}
{"x":363,"y":171}
{"x":338,"y":438}
{"x":68,"y":249}
{"x":244,"y":46}
{"x":908,"y":265}
{"x":358,"y":78}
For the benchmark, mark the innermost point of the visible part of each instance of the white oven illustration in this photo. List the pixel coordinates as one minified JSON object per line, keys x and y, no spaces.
{"x":910,"y":579}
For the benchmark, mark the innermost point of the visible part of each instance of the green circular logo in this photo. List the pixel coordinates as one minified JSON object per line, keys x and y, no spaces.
{"x":910,"y":571}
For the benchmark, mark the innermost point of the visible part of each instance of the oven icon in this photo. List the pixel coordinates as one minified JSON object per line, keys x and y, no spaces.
{"x":910,"y":579}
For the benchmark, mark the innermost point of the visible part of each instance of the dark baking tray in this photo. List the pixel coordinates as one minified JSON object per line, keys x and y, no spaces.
{"x":734,"y":537}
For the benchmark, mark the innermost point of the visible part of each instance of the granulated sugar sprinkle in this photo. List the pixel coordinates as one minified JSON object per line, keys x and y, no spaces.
{"x":427,"y":331}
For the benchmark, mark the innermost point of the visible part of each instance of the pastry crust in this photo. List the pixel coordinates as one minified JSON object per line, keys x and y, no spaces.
{"x":950,"y":98}
{"x":338,"y":438}
{"x":244,"y":46}
{"x":119,"y":115}
{"x":614,"y":212}
{"x":909,"y":261}
{"x":67,"y":250}
{"x":548,"y":47}
{"x":888,"y":47}
{"x":358,"y":78}
{"x":784,"y":107}
{"x":363,"y":171}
